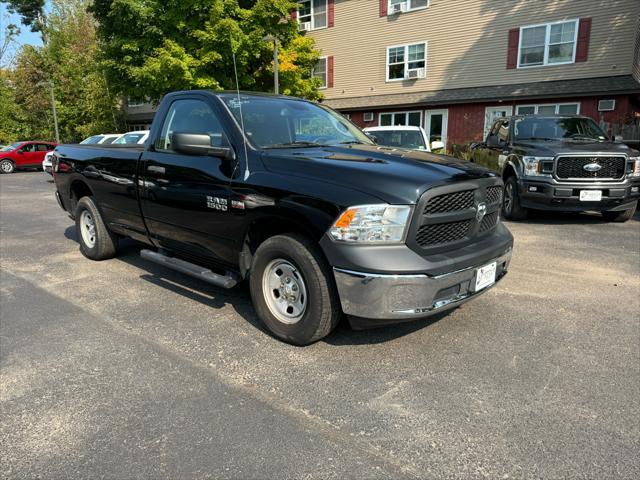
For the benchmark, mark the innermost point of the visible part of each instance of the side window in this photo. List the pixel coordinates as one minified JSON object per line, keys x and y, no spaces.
{"x":42,"y":147}
{"x":190,"y":116}
{"x":31,"y":147}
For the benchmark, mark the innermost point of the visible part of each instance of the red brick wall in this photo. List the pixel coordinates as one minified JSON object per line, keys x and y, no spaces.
{"x":466,"y":121}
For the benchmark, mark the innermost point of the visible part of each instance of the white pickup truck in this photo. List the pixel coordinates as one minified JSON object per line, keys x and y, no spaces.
{"x":403,"y":136}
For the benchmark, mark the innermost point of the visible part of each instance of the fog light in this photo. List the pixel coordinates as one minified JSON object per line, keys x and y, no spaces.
{"x":533,"y":189}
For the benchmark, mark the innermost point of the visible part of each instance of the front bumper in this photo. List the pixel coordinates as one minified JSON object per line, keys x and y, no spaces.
{"x":549,"y":194}
{"x":383,"y":299}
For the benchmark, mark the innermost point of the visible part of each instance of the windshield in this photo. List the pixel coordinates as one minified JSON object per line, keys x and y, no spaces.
{"x":11,"y":147}
{"x":272,"y":122}
{"x":129,"y":138}
{"x":91,"y":140}
{"x":400,"y":138}
{"x":541,"y":128}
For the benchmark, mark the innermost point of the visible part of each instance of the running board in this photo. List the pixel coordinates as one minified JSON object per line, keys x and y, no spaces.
{"x":228,"y":281}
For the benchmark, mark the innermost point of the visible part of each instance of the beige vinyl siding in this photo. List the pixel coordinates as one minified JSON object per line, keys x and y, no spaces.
{"x":467,"y":42}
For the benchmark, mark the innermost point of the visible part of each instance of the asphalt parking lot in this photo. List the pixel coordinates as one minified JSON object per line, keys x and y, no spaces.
{"x":122,"y":369}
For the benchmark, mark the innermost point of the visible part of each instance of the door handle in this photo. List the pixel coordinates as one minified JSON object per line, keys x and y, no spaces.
{"x":156,"y":169}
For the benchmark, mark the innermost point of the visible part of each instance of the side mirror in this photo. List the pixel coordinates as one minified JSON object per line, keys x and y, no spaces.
{"x":199,"y":144}
{"x":437,"y":145}
{"x":372,"y":137}
{"x":20,"y":152}
{"x":493,"y":141}
{"x":618,"y":138}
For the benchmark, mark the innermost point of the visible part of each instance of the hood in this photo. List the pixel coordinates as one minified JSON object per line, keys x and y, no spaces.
{"x":553,"y":148}
{"x":396,"y":176}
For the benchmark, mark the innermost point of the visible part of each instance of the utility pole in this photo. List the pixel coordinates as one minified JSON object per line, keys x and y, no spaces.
{"x":55,"y":113}
{"x":274,"y":39}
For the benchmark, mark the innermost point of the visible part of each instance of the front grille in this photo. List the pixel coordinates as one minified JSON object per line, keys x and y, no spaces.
{"x":439,"y":233}
{"x":494,"y":195}
{"x":447,"y":218}
{"x":450,"y":202}
{"x":489,"y":221}
{"x":573,"y":167}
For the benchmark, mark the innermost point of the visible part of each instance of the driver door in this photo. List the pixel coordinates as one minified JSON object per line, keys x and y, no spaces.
{"x":185,"y":198}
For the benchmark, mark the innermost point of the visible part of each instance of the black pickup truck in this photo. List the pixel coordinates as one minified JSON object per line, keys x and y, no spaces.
{"x":563,"y":163}
{"x":295,"y":199}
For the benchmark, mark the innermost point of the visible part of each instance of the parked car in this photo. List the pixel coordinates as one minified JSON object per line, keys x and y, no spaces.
{"x":318,"y":227}
{"x":562,"y":163}
{"x":132,"y":138}
{"x":23,"y":155}
{"x":103,"y":139}
{"x":403,"y":136}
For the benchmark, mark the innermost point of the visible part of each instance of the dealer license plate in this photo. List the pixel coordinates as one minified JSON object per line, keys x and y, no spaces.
{"x":485,"y":276}
{"x":590,"y":195}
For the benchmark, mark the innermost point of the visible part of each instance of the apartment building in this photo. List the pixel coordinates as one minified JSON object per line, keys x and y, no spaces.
{"x":452,"y":66}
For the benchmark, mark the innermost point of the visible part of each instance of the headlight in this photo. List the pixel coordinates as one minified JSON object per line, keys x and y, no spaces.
{"x":636,"y":167}
{"x":372,"y":224}
{"x":538,"y":166}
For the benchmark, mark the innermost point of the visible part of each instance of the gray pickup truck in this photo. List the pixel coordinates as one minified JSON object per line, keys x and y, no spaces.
{"x":563,"y":163}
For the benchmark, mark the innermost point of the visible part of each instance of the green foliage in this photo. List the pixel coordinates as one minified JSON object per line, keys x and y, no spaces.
{"x":68,"y":62}
{"x":151,"y":47}
{"x":31,"y":11}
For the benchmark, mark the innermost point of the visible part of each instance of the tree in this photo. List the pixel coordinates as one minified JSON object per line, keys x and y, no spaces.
{"x":31,"y":11}
{"x":8,"y":35}
{"x":68,"y":61}
{"x":150,"y":47}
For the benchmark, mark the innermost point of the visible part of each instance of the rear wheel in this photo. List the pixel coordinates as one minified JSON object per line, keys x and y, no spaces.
{"x":7,"y":166}
{"x":96,"y":241}
{"x":293,"y":290}
{"x":511,"y":207}
{"x":620,"y":216}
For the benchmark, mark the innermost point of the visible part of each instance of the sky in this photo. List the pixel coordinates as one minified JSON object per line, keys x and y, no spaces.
{"x":26,"y":35}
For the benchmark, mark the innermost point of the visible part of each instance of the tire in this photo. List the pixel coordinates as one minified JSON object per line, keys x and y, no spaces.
{"x":7,"y":166}
{"x":620,"y":216}
{"x":96,"y":243}
{"x":305,"y":285}
{"x":511,"y":208}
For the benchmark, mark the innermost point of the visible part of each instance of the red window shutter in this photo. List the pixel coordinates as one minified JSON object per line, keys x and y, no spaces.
{"x":584,"y":34}
{"x":512,"y":49}
{"x":383,"y":7}
{"x":331,"y":12}
{"x":330,"y":71}
{"x":294,"y":14}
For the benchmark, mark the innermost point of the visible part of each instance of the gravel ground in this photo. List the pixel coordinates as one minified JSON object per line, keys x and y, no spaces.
{"x":123,"y":369}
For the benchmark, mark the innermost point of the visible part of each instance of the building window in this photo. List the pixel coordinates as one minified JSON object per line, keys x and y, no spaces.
{"x":133,"y":102}
{"x":401,"y":118}
{"x":548,"y":44}
{"x":549,"y":109}
{"x":406,"y":61}
{"x":320,"y":71}
{"x":407,"y":5}
{"x":313,"y":13}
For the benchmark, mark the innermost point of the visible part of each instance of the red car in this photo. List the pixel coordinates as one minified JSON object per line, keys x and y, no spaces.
{"x":24,"y":155}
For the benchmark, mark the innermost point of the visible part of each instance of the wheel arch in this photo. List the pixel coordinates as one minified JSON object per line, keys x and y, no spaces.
{"x":264,"y":227}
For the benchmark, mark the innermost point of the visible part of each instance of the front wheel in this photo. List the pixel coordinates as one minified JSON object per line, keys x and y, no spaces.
{"x":620,"y":216}
{"x":7,"y":166}
{"x":96,"y":241}
{"x":511,"y":208}
{"x":293,"y":290}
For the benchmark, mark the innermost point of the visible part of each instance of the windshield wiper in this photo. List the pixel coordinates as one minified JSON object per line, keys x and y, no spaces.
{"x":352,"y":142}
{"x":584,"y":137}
{"x":539,"y":138}
{"x":296,"y":144}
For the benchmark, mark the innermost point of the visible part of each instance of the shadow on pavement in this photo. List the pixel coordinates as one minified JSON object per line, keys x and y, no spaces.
{"x":239,"y":298}
{"x":540,"y":217}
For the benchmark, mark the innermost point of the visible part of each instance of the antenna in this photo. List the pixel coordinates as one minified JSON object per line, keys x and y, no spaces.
{"x":244,"y":135}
